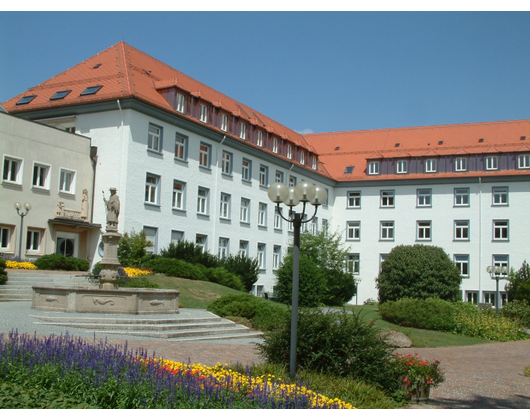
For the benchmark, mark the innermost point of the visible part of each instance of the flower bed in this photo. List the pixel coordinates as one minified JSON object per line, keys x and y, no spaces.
{"x":23,"y":265}
{"x":137,"y":272}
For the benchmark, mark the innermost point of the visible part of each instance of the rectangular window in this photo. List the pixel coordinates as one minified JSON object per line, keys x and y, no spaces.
{"x":423,"y":231}
{"x":263,"y":176}
{"x":204,"y":155}
{"x":430,"y":165}
{"x":462,"y":263}
{"x":382,"y":258}
{"x":462,"y":197}
{"x":387,"y":231}
{"x":33,"y":240}
{"x":460,"y":164}
{"x":180,"y":102}
{"x":223,"y":248}
{"x":246,"y":170}
{"x":314,"y":163}
{"x":41,"y":177}
{"x":278,"y":177}
{"x":424,"y":198}
{"x":275,"y":145}
{"x":12,"y":170}
{"x":204,"y":113}
{"x":243,"y":248}
{"x":353,"y":264}
{"x":353,"y":231}
{"x":289,"y":151}
{"x":181,"y":147}
{"x":373,"y":168}
{"x":154,"y":138}
{"x":523,"y":162}
{"x":177,"y":236}
{"x":259,"y":140}
{"x":500,"y":230}
{"x":262,"y":214}
{"x":472,"y":297}
{"x":224,"y":211}
{"x":67,"y":181}
{"x":499,"y":196}
{"x":500,"y":261}
{"x":302,"y":157}
{"x":461,"y":230}
{"x":401,"y":167}
{"x":261,"y":256}
{"x":178,"y":201}
{"x":224,"y":122}
{"x":276,"y":257}
{"x":387,"y":198}
{"x":278,"y":221}
{"x":226,"y":168}
{"x":5,"y":238}
{"x":354,"y":199}
{"x":292,"y":181}
{"x":242,"y":131}
{"x":491,"y":163}
{"x":202,"y":242}
{"x":151,"y":234}
{"x":203,"y":196}
{"x":151,"y":188}
{"x":244,"y":211}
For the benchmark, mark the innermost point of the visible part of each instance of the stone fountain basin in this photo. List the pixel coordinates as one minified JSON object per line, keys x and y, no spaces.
{"x":117,"y":301}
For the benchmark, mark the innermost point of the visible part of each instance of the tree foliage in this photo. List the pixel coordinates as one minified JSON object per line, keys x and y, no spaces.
{"x":418,"y":271}
{"x":518,"y":286}
{"x":131,"y":248}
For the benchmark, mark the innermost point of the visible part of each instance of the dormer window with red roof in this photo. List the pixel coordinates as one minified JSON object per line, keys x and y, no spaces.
{"x":492,"y":163}
{"x":91,"y":90}
{"x":289,"y":151}
{"x":302,"y":157}
{"x":259,"y":141}
{"x":401,"y":167}
{"x":242,"y":131}
{"x":224,"y":122}
{"x":204,"y":113}
{"x":180,"y":102}
{"x":523,"y":162}
{"x":373,"y":168}
{"x":314,"y":163}
{"x":275,"y":145}
{"x":460,"y":164}
{"x":430,"y":165}
{"x":26,"y":100}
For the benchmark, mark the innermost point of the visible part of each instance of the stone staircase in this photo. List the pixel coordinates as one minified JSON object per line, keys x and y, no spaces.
{"x":20,"y":282}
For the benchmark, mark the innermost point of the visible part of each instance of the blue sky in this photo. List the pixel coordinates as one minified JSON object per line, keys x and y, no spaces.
{"x":311,"y":71}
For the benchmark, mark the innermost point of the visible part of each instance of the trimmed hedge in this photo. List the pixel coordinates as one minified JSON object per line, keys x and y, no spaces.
{"x":3,"y":273}
{"x":60,"y":262}
{"x":428,"y":314}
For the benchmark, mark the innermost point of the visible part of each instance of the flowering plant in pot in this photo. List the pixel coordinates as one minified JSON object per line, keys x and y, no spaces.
{"x":417,"y":376}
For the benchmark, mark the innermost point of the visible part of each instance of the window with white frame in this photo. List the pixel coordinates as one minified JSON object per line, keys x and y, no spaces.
{"x":382,"y":259}
{"x":263,"y":176}
{"x":246,"y":170}
{"x":259,"y":140}
{"x":523,"y":162}
{"x":461,"y":197}
{"x":401,"y":167}
{"x":243,"y":248}
{"x":353,"y":264}
{"x":262,"y":248}
{"x":373,"y":168}
{"x":33,"y":240}
{"x":204,"y":113}
{"x":423,"y":230}
{"x":472,"y":296}
{"x":499,"y":196}
{"x":387,"y":230}
{"x":242,"y":131}
{"x":353,"y":231}
{"x":223,"y":248}
{"x":151,"y":188}
{"x":181,"y":147}
{"x":224,"y":211}
{"x":292,"y":181}
{"x":205,"y":151}
{"x":289,"y":151}
{"x":203,"y":197}
{"x":430,"y":165}
{"x":41,"y":175}
{"x":278,"y":221}
{"x":462,"y":263}
{"x":387,"y":198}
{"x":500,"y":230}
{"x":460,"y":164}
{"x":67,"y":180}
{"x":5,"y":238}
{"x":12,"y":169}
{"x":424,"y":197}
{"x":224,"y":122}
{"x":276,"y":257}
{"x":302,"y":157}
{"x":461,"y":230}
{"x":151,"y":234}
{"x":354,"y":199}
{"x":177,"y":236}
{"x":500,"y":261}
{"x":244,"y":211}
{"x":492,"y":163}
{"x":278,"y":177}
{"x":275,"y":145}
{"x":180,"y":102}
{"x":262,"y":214}
{"x":314,"y":163}
{"x":154,"y":138}
{"x":178,"y":199}
{"x":202,"y":242}
{"x":226,"y":163}
{"x":313,"y":225}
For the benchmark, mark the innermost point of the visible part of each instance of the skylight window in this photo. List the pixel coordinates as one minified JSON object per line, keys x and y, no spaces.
{"x":97,"y":66}
{"x":26,"y":100}
{"x":91,"y":90}
{"x":349,"y":169}
{"x":60,"y":95}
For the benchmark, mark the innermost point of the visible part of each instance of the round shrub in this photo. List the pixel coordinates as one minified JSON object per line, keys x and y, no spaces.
{"x":429,"y":314}
{"x":3,"y":273}
{"x":175,"y":268}
{"x":223,"y":277}
{"x":60,"y":262}
{"x":518,"y":311}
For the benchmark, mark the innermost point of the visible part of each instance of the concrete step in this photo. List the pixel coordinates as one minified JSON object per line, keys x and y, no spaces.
{"x":199,"y":334}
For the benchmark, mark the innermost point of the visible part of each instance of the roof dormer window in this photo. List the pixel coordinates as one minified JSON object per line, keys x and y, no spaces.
{"x":180,"y":102}
{"x":401,"y":167}
{"x":492,"y":163}
{"x":204,"y":113}
{"x":224,"y":122}
{"x":373,"y":168}
{"x":302,"y":157}
{"x":242,"y":131}
{"x":259,"y":141}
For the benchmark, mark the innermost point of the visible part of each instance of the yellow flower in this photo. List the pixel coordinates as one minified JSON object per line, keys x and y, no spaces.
{"x":15,"y":265}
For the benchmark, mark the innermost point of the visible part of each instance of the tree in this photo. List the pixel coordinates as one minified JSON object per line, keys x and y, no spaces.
{"x":131,"y":248}
{"x":418,"y":271}
{"x":321,"y":253}
{"x":518,"y":286}
{"x":245,"y":267}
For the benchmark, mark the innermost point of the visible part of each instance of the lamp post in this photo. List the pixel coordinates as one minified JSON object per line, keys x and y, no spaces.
{"x":304,"y":193}
{"x":18,"y":208}
{"x":497,"y":272}
{"x":357,"y":281}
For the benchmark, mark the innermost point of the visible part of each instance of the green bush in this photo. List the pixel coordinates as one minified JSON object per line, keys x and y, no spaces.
{"x":518,"y":286}
{"x":263,"y":314}
{"x":339,"y":344}
{"x":138,"y":282}
{"x":3,"y":273}
{"x":60,"y":262}
{"x":131,"y":248}
{"x":191,"y":253}
{"x":223,"y":277}
{"x":418,"y":271}
{"x":429,"y":314}
{"x":518,"y":311}
{"x":175,"y":268}
{"x":245,"y":267}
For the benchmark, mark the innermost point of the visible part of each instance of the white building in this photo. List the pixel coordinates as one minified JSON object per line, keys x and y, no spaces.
{"x":191,"y":163}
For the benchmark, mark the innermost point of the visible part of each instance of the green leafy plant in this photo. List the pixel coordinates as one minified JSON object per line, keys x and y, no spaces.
{"x":245,"y":267}
{"x":518,"y":311}
{"x":60,"y":262}
{"x":3,"y":273}
{"x":191,"y":253}
{"x":414,"y":373}
{"x":518,"y":286}
{"x":430,"y":314}
{"x":131,"y":248}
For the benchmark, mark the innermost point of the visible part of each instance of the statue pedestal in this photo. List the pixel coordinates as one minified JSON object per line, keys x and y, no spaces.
{"x":109,"y":277}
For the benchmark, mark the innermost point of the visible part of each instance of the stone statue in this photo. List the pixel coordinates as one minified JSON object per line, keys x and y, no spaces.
{"x":113,"y":210}
{"x":84,"y":205}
